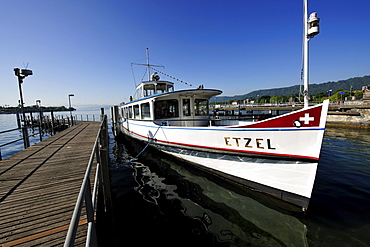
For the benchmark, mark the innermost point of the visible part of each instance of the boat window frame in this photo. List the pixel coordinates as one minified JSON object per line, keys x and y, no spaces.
{"x":136,"y":113}
{"x":130,"y":112}
{"x":170,"y":88}
{"x":145,"y":111}
{"x":186,"y":107}
{"x":197,"y":107}
{"x":164,"y":109}
{"x":161,"y":87}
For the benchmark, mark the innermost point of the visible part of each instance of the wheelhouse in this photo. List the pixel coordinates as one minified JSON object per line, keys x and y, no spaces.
{"x":159,"y":103}
{"x":148,"y":88}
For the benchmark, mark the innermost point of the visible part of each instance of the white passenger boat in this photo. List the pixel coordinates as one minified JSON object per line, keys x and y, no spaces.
{"x":277,"y":156}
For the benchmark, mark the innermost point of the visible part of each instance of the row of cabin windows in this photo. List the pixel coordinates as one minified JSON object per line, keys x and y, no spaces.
{"x":154,"y":88}
{"x":167,"y":109}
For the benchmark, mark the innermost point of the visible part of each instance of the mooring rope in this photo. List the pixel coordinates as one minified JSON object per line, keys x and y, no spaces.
{"x":150,"y":141}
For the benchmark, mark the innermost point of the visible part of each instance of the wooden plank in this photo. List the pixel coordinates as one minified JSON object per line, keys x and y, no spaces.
{"x":39,"y":187}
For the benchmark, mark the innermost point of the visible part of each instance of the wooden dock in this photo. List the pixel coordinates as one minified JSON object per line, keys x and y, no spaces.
{"x":39,"y":187}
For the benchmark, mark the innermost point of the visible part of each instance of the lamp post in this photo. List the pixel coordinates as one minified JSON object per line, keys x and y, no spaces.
{"x":70,"y":108}
{"x":21,"y":74}
{"x":311,"y":29}
{"x":38,"y":104}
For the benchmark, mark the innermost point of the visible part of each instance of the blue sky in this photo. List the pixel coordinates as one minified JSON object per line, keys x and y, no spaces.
{"x":86,"y":47}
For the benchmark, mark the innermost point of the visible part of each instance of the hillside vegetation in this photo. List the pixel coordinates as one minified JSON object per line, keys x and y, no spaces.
{"x":321,"y":90}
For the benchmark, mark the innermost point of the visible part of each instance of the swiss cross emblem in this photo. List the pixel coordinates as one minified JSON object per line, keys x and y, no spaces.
{"x":306,"y":119}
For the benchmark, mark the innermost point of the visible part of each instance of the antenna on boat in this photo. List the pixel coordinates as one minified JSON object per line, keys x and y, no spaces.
{"x":311,"y":29}
{"x":148,"y":65}
{"x":147,"y":61}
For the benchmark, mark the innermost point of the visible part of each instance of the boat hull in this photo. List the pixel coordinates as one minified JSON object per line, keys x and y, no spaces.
{"x":276,"y":156}
{"x":288,"y":181}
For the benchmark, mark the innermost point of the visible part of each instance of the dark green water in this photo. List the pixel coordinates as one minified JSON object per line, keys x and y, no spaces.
{"x":161,"y":201}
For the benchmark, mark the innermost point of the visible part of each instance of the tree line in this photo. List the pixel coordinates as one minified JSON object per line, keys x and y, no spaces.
{"x":318,"y":92}
{"x":34,"y":108}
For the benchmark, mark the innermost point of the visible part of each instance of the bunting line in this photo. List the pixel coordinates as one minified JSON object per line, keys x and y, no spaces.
{"x":172,"y":77}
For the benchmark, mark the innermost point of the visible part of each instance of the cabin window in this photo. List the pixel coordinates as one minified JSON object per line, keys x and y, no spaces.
{"x":186,"y":107}
{"x":136,"y":112}
{"x":140,"y":92}
{"x":201,"y":107}
{"x":145,"y":111}
{"x":130,"y":112}
{"x":149,"y":90}
{"x":161,"y":87}
{"x":166,"y":109}
{"x":123,"y":112}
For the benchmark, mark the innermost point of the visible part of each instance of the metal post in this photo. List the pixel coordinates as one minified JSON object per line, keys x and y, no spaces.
{"x":40,"y":126}
{"x":26,"y":140}
{"x":18,"y":121}
{"x":30,"y":117}
{"x":305,"y":55}
{"x":104,"y":158}
{"x":70,"y":108}
{"x":101,"y":114}
{"x":52,"y":122}
{"x":311,"y":29}
{"x":91,"y":239}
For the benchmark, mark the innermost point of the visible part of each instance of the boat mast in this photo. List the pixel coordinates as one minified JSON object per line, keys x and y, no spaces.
{"x":311,"y":28}
{"x":147,"y":64}
{"x":147,"y":61}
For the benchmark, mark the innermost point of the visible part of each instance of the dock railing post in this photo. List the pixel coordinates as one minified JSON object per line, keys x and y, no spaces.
{"x":104,"y":157}
{"x":40,"y":126}
{"x":18,"y":121}
{"x":52,"y":122}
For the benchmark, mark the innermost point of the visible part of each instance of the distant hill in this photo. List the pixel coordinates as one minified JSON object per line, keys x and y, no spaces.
{"x":357,"y":83}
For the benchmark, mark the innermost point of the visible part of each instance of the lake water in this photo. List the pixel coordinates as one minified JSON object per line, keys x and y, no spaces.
{"x":159,"y":200}
{"x":9,"y":121}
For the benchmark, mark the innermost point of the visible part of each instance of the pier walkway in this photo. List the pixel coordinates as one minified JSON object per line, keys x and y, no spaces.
{"x":39,"y":187}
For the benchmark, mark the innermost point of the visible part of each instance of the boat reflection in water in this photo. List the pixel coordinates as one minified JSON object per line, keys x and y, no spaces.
{"x":229,"y":213}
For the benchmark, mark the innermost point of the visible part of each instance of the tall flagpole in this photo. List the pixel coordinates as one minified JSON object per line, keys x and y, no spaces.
{"x":305,"y":54}
{"x":311,"y":28}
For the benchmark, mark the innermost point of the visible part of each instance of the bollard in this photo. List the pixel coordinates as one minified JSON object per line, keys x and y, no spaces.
{"x":18,"y":121}
{"x":52,"y":123}
{"x":26,"y":140}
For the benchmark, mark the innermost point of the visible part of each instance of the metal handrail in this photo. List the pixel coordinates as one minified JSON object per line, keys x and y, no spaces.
{"x":5,"y":131}
{"x":90,"y":198}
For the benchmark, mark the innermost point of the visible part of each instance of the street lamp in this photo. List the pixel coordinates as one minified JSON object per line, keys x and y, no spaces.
{"x":21,"y":74}
{"x":70,"y":108}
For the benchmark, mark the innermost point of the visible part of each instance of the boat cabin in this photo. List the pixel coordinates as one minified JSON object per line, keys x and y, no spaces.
{"x":148,"y":88}
{"x":158,"y":102}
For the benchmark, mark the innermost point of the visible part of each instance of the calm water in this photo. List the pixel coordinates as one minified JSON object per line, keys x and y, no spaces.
{"x":9,"y":121}
{"x":159,"y":201}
